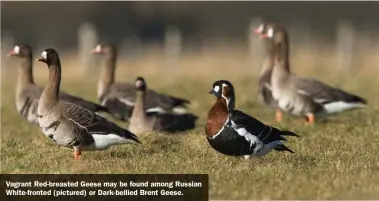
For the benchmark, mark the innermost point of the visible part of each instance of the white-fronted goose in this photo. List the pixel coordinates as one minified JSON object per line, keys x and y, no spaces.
{"x":235,"y":133}
{"x":264,"y":82}
{"x":71,"y":125}
{"x":301,"y":96}
{"x":28,"y":93}
{"x":119,"y":97}
{"x":142,"y":121}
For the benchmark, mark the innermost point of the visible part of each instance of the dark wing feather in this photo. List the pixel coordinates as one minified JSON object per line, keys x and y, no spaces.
{"x":173,"y":122}
{"x":257,"y":128}
{"x":323,"y":93}
{"x":93,"y":123}
{"x":153,"y":99}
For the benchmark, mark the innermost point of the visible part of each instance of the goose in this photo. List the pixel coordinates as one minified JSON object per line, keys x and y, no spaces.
{"x":119,"y":97}
{"x":264,"y":81}
{"x":301,"y":96}
{"x":143,"y":122}
{"x":28,"y":93}
{"x":234,"y":133}
{"x":71,"y":125}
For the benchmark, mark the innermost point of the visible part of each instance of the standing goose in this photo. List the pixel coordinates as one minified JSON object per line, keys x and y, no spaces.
{"x":264,"y":82}
{"x":235,"y":133}
{"x":71,"y":125}
{"x":142,"y":121}
{"x":28,"y":93}
{"x":119,"y":97}
{"x":301,"y":96}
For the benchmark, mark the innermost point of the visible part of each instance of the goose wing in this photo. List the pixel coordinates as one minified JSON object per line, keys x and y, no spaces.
{"x":322,"y":93}
{"x":92,"y":123}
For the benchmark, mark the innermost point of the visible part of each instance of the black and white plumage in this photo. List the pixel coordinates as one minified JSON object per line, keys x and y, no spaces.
{"x":71,"y":125}
{"x":234,"y":133}
{"x":120,"y":97}
{"x":28,"y":93}
{"x":301,"y":96}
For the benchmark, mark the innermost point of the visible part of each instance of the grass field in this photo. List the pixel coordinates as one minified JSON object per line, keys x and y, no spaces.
{"x":337,"y":159}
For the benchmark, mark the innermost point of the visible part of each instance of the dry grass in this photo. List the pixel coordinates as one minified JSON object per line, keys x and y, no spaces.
{"x":333,"y":160}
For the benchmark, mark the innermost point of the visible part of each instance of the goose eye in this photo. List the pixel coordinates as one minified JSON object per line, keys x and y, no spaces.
{"x":216,"y":88}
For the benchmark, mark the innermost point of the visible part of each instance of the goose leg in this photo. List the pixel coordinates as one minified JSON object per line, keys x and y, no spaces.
{"x":77,"y":153}
{"x":279,"y":116}
{"x":311,"y":119}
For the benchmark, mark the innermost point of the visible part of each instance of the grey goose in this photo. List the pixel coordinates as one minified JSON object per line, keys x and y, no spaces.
{"x":301,"y":96}
{"x":28,"y":93}
{"x":143,"y":122}
{"x":119,"y":97}
{"x":264,"y":82}
{"x":71,"y":125}
{"x":234,"y":133}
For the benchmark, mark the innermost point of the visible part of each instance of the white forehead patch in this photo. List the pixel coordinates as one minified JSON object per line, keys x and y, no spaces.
{"x":270,"y":32}
{"x":216,"y":88}
{"x":44,"y":55}
{"x":260,"y":28}
{"x":98,"y":48}
{"x":224,"y":85}
{"x":16,"y":49}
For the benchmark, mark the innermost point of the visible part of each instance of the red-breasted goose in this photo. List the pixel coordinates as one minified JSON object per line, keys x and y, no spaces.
{"x":143,"y":122}
{"x":28,"y":93}
{"x":119,"y":97}
{"x":235,"y":133}
{"x":71,"y":125}
{"x":302,"y":96}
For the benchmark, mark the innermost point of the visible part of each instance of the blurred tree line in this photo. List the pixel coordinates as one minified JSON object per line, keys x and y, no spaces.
{"x":31,"y":22}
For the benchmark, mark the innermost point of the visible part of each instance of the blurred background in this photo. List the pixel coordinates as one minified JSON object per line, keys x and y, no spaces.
{"x":183,"y":36}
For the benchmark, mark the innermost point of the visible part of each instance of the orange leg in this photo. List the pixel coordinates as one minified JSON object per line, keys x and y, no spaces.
{"x":311,"y":119}
{"x":279,"y":116}
{"x":77,"y":154}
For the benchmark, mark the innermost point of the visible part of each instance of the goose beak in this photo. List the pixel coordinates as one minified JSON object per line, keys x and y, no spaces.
{"x":256,"y":31}
{"x":11,"y":53}
{"x":211,"y":91}
{"x":41,"y":59}
{"x":264,"y":36}
{"x":95,"y":51}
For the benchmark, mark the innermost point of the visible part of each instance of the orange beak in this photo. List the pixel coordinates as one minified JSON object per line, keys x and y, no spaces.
{"x":11,"y":53}
{"x":264,"y":36}
{"x":95,"y":51}
{"x":256,"y":31}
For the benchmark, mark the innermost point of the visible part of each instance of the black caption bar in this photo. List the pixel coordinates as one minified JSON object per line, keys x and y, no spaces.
{"x":143,"y":187}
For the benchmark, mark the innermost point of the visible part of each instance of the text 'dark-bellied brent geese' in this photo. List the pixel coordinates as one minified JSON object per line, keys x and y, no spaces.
{"x":264,"y":82}
{"x":143,"y":122}
{"x":235,"y":133}
{"x":71,"y":125}
{"x":300,"y":96}
{"x":119,"y":97}
{"x":28,"y":93}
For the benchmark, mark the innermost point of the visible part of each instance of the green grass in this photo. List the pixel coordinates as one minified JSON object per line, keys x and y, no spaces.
{"x":333,"y":160}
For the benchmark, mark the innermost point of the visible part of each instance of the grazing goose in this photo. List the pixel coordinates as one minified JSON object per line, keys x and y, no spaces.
{"x":142,"y":121}
{"x":28,"y":93}
{"x":264,"y":82}
{"x":119,"y":97}
{"x":235,"y":133}
{"x":301,"y":96}
{"x":71,"y":125}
